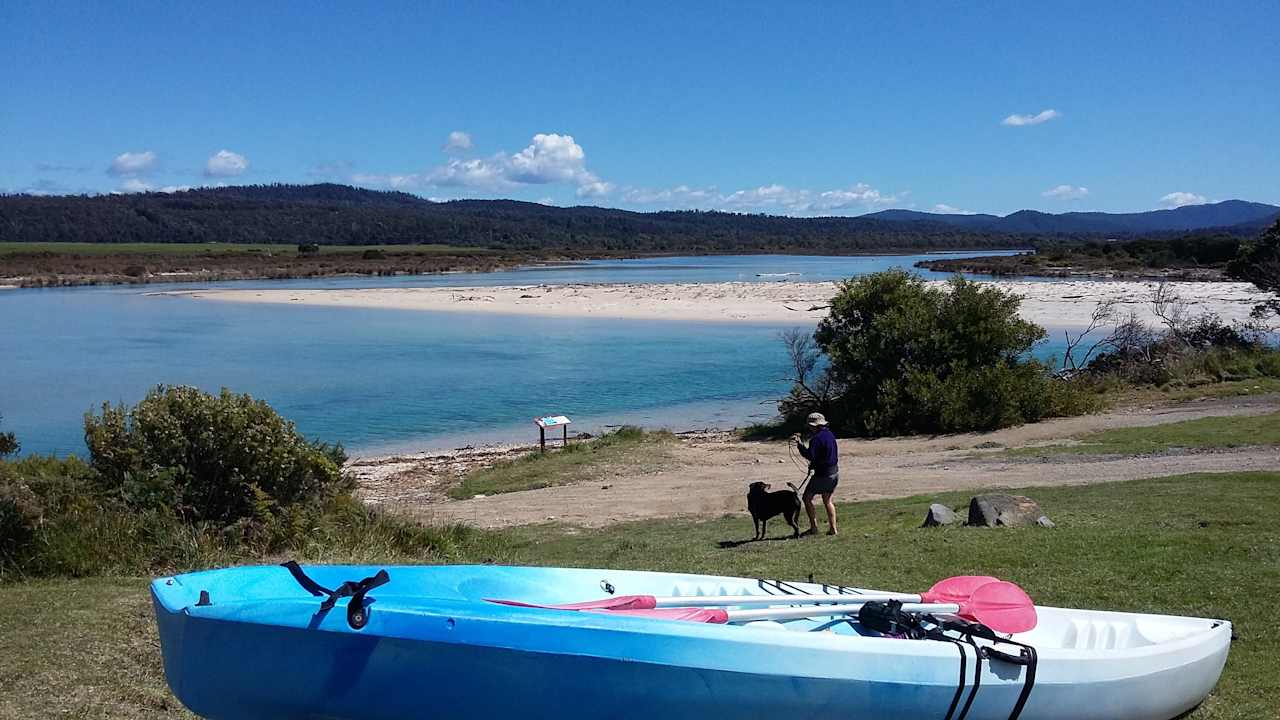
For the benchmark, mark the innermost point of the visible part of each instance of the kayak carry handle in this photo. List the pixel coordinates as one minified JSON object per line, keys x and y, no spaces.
{"x":357,"y":613}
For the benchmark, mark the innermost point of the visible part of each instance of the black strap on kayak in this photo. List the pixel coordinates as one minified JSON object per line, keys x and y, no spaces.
{"x":955,"y":701}
{"x":1026,"y":657}
{"x":357,"y":612}
{"x":977,"y":680}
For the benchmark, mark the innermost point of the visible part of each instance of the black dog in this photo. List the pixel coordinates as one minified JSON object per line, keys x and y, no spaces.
{"x":764,"y":505}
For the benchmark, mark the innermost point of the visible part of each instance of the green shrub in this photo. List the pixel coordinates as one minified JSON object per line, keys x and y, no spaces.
{"x":8,"y":443}
{"x":905,"y":357}
{"x":190,"y":480}
{"x":224,"y":457}
{"x":1258,"y":262}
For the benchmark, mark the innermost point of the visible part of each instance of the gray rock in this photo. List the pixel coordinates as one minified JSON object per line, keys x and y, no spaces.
{"x":997,"y":510}
{"x":1044,"y":522}
{"x":940,"y":515}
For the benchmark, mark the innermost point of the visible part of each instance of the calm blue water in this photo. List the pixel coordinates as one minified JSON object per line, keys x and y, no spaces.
{"x":386,"y":380}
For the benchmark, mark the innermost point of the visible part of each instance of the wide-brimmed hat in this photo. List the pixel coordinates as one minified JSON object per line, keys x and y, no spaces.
{"x":816,"y":420}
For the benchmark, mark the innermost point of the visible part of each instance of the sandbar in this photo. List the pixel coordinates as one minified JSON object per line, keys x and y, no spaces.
{"x":1052,"y":304}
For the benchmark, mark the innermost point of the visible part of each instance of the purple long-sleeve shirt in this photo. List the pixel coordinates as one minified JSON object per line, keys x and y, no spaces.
{"x":822,"y":454}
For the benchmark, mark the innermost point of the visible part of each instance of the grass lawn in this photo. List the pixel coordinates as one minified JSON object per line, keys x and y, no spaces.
{"x":581,"y":460}
{"x":9,"y":248}
{"x":1204,"y":545}
{"x":1202,"y":434}
{"x":1182,"y":393}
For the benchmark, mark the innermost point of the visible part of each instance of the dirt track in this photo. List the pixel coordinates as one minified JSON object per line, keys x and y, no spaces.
{"x":716,"y":468}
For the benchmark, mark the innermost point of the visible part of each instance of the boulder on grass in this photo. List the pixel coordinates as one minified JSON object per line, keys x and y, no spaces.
{"x":996,"y":510}
{"x":940,"y":515}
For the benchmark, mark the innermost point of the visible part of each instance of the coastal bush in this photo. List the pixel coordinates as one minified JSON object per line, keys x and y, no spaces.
{"x":1258,"y":262}
{"x":8,"y":443}
{"x":58,"y":519}
{"x":1184,"y":350}
{"x":904,"y":357}
{"x":186,"y":479}
{"x":224,"y":457}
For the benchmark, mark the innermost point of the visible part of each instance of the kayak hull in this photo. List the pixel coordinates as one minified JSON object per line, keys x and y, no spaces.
{"x":438,"y":651}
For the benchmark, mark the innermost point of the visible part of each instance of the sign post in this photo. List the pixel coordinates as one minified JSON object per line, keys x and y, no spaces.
{"x":552,"y":421}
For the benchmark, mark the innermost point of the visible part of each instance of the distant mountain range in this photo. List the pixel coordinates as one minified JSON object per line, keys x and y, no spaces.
{"x":339,"y":214}
{"x":1234,"y":214}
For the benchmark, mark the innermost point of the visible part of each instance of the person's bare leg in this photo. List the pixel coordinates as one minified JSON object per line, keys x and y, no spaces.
{"x":813,"y":514}
{"x":831,"y":512}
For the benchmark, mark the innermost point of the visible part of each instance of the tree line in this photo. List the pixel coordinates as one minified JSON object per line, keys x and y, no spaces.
{"x":331,"y":214}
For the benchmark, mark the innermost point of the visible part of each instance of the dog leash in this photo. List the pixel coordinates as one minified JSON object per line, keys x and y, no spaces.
{"x":808,"y":474}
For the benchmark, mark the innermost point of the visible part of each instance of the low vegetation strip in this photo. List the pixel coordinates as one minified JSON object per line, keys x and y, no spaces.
{"x":1176,"y":545}
{"x":1211,"y":433}
{"x":579,"y":461}
{"x":212,"y":248}
{"x":66,"y":264}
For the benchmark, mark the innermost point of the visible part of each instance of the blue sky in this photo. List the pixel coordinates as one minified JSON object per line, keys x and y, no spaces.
{"x":796,"y":108}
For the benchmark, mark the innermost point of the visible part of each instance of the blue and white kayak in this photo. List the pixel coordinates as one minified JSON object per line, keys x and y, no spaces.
{"x":425,"y":642}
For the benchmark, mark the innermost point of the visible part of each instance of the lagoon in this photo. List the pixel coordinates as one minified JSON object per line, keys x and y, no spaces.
{"x":382,"y":381}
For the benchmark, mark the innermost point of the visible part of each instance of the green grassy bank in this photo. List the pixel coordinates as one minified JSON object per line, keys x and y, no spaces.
{"x":1210,"y":433}
{"x":579,"y":460}
{"x":1204,"y":545}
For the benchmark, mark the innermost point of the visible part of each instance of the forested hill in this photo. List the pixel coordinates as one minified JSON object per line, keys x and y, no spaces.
{"x":338,"y":214}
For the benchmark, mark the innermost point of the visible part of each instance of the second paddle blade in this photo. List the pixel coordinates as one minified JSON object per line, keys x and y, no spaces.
{"x":1003,"y":607}
{"x":956,"y":590}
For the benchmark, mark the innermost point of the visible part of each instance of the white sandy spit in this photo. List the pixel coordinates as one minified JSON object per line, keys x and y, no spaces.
{"x":1053,"y":304}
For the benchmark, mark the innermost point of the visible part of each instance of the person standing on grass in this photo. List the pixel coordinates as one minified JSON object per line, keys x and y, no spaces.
{"x":824,"y":463}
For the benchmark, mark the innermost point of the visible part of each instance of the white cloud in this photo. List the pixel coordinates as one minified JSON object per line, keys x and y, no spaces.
{"x":1182,"y":199}
{"x":490,"y":174}
{"x":945,"y":209}
{"x":458,"y":141}
{"x":225,"y":163}
{"x":679,"y":196}
{"x":1066,"y":192}
{"x":595,"y":189}
{"x":131,"y":164}
{"x":861,"y":195}
{"x":135,"y":185}
{"x":549,"y":159}
{"x":395,"y":182}
{"x":765,"y":198}
{"x":1040,"y":117}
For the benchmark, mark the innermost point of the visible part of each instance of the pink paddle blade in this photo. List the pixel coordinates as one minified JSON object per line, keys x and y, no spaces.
{"x":1001,"y":606}
{"x":702,"y":615}
{"x":956,"y":590}
{"x":621,"y":602}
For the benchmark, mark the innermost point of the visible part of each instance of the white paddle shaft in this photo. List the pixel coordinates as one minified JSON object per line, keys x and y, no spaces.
{"x":737,"y":616}
{"x":741,"y":600}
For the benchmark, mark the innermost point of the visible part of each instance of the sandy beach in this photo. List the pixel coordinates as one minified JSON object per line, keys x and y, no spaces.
{"x":1052,"y":304}
{"x":707,"y":473}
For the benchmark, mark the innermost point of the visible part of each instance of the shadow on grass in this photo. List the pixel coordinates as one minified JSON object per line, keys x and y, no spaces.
{"x":727,"y":544}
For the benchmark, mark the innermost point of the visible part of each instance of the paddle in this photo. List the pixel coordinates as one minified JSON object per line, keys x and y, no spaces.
{"x":1001,"y":606}
{"x":952,"y":590}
